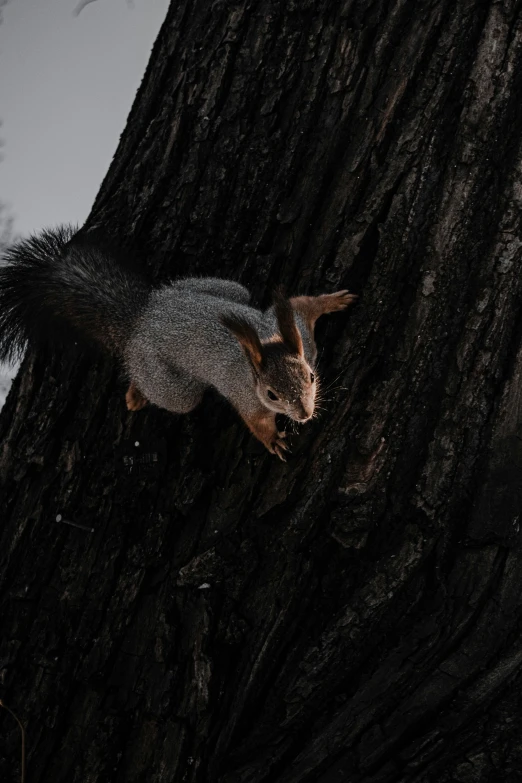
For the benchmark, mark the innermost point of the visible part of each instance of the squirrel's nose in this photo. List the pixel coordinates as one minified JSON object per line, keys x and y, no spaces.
{"x":305,"y":412}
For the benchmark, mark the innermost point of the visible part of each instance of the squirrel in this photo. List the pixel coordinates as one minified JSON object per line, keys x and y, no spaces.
{"x":174,"y":340}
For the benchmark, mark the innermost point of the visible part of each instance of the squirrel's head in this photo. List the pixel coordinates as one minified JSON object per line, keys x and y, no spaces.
{"x":285,"y":382}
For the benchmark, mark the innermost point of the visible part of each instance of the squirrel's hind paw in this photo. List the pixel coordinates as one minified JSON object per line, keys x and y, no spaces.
{"x":339,"y":300}
{"x":135,"y":399}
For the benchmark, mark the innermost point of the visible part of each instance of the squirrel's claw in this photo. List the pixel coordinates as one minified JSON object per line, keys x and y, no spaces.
{"x":342,"y":299}
{"x":279,"y":446}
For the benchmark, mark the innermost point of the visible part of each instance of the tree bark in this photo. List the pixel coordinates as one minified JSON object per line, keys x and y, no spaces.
{"x":355,"y":614}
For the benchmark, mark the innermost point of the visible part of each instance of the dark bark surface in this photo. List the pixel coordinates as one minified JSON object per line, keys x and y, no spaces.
{"x":354,"y":615}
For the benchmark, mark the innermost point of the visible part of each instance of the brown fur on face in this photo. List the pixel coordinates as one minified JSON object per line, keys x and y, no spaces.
{"x":288,"y":376}
{"x":284,"y":379}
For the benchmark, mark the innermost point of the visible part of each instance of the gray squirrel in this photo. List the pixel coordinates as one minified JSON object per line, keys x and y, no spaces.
{"x":175,"y":340}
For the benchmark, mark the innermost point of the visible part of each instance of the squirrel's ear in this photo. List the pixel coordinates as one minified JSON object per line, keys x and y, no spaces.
{"x":286,"y":322}
{"x":247,"y":336}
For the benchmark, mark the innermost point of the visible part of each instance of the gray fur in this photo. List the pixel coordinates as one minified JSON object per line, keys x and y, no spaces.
{"x":181,"y":329}
{"x":173,"y":340}
{"x":215,"y":286}
{"x":180,"y":345}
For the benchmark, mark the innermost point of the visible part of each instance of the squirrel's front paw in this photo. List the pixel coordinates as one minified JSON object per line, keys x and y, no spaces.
{"x":277,"y":445}
{"x":262,"y":425}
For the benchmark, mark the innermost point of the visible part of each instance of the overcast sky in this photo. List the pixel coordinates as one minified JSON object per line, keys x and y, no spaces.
{"x":66,"y":87}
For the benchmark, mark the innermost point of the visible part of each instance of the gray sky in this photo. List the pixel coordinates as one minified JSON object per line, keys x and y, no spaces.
{"x":66,"y":89}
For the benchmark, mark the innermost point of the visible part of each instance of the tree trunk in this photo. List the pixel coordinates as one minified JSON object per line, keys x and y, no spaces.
{"x":355,"y":614}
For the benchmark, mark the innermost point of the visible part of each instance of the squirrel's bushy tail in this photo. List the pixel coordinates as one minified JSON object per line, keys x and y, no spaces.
{"x":60,"y":279}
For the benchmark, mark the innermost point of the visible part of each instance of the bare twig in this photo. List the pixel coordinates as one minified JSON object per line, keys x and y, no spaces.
{"x":81,"y":5}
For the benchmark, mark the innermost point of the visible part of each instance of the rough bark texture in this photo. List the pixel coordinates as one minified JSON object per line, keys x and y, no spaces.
{"x":354,"y":615}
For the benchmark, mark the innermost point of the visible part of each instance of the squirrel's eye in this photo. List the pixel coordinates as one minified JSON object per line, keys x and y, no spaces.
{"x":271,"y":395}
{"x":312,"y":377}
